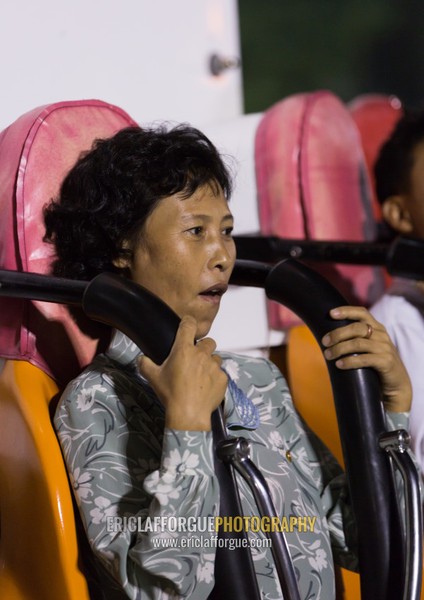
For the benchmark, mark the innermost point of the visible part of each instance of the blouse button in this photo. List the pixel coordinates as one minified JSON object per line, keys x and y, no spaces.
{"x":289,"y":455}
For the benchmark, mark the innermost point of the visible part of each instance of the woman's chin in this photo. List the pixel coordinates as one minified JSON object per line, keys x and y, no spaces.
{"x":203,"y":328}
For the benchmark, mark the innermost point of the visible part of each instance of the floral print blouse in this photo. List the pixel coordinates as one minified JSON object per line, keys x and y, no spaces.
{"x":126,"y":467}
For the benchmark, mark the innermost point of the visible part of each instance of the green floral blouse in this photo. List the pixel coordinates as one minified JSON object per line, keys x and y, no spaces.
{"x":134,"y":481}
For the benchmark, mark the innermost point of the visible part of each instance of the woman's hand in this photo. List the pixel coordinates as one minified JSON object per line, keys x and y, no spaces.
{"x":190,"y":383}
{"x":366,"y":343}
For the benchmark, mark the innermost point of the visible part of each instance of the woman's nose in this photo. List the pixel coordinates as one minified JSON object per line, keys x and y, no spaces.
{"x":223,"y":255}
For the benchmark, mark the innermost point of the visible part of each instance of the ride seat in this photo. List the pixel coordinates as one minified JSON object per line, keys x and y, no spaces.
{"x":313,"y":184}
{"x":43,"y":348}
{"x":38,"y":545}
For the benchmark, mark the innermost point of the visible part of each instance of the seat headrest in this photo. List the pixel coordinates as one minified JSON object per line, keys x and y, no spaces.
{"x":36,"y":152}
{"x":313,"y":184}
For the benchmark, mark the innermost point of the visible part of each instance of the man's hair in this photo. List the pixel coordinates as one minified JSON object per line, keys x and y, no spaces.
{"x":107,"y":196}
{"x":393,"y":167}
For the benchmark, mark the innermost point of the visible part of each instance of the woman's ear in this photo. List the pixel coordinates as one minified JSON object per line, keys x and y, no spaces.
{"x":396,"y":214}
{"x":124,"y":260}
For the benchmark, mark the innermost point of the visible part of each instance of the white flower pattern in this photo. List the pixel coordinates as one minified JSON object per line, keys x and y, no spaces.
{"x":85,"y":400}
{"x":104,"y":508}
{"x":232,"y":369}
{"x":81,"y":483}
{"x":319,"y":561}
{"x":185,"y":463}
{"x":205,"y":570}
{"x":276,"y":441}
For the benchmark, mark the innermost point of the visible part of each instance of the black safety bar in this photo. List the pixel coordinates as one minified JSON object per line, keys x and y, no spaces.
{"x":357,"y":397}
{"x":403,"y":256}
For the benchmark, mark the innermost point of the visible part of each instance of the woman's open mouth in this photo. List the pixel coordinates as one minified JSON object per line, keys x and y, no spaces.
{"x":214,"y":293}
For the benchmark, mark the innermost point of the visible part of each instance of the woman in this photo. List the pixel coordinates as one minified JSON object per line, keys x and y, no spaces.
{"x":152,"y":205}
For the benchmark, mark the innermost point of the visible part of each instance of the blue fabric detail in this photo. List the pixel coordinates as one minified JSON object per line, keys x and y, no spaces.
{"x":249,"y":415}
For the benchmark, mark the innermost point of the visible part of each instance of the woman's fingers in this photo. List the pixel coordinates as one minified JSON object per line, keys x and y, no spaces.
{"x":190,"y":382}
{"x":206,"y":345}
{"x":366,"y":343}
{"x":364,"y":326}
{"x":186,"y":332}
{"x":356,"y":313}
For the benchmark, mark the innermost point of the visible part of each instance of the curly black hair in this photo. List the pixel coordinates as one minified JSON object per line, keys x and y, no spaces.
{"x":392,"y":169}
{"x":107,"y":196}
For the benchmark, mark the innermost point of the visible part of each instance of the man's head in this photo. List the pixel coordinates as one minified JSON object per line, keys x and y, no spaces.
{"x":399,"y":175}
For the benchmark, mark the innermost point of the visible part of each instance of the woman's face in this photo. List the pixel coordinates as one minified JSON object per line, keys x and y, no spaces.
{"x":186,"y":254}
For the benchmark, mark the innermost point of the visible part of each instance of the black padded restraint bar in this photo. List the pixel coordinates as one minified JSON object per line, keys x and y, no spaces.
{"x":403,"y":257}
{"x":361,"y":420}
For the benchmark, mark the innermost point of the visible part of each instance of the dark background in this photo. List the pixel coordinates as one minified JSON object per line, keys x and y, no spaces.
{"x":350,"y":47}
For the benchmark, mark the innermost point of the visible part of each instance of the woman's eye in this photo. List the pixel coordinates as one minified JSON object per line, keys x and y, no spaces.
{"x":196,"y":230}
{"x":228,"y":231}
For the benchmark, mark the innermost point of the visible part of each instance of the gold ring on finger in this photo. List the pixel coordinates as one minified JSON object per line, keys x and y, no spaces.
{"x":369,"y":333}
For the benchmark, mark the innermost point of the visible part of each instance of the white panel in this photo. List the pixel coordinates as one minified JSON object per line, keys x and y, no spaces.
{"x":151,"y":57}
{"x":235,"y":139}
